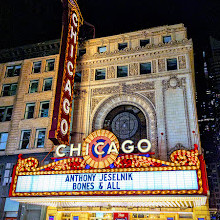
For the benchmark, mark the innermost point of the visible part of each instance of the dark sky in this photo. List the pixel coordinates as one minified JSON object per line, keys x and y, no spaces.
{"x":28,"y":21}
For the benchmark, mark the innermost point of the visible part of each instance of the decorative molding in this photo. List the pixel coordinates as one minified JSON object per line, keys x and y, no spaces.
{"x":150,"y":50}
{"x":154,"y":66}
{"x":85,"y":75}
{"x":161,"y":65}
{"x":150,"y":96}
{"x":111,"y":72}
{"x":133,"y":69}
{"x":172,"y":83}
{"x":140,"y":101}
{"x":95,"y":102}
{"x":123,"y":87}
{"x":182,"y":62}
{"x":92,"y":77}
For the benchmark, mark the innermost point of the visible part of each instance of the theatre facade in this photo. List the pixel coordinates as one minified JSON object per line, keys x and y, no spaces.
{"x":135,"y":149}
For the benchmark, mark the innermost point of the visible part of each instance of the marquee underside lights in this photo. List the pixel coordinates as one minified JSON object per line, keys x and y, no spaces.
{"x":173,"y":201}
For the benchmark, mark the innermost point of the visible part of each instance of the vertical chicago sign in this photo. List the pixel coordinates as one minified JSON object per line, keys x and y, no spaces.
{"x":60,"y":127}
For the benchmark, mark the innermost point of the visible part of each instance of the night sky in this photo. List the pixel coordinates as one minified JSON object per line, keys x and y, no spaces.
{"x":28,"y":21}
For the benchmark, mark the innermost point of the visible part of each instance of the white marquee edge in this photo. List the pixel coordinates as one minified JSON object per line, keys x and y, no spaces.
{"x":187,"y":201}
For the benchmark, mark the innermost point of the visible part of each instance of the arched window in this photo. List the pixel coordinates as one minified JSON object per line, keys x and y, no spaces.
{"x":127,"y":122}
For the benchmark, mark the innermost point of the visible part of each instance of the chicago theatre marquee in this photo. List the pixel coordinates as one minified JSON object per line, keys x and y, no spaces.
{"x":135,"y":151}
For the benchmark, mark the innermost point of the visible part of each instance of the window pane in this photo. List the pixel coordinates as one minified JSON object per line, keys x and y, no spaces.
{"x":8,"y":113}
{"x":17,"y":70}
{"x":47,"y":84}
{"x":40,"y":137}
{"x":143,"y":43}
{"x":9,"y":71}
{"x":122,"y":71}
{"x":77,"y":77}
{"x":44,"y":109}
{"x":102,"y":49}
{"x":2,"y":111}
{"x":122,"y":46}
{"x":13,"y":71}
{"x":100,"y":74}
{"x":36,"y":67}
{"x":13,"y":89}
{"x":6,"y":90}
{"x":166,"y":39}
{"x":3,"y":140}
{"x":145,"y":68}
{"x":33,"y":86}
{"x":29,"y":112}
{"x":172,"y":64}
{"x":25,"y":136}
{"x":50,"y":65}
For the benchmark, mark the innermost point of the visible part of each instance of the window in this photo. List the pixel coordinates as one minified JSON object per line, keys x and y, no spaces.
{"x":77,"y":77}
{"x":171,"y":64}
{"x":36,"y":67}
{"x":166,"y":39}
{"x":143,"y":43}
{"x":5,"y":113}
{"x":122,"y":71}
{"x":100,"y":74}
{"x":145,"y":68}
{"x":82,"y":52}
{"x":122,"y":46}
{"x":50,"y":65}
{"x":3,"y":140}
{"x":9,"y":89}
{"x":102,"y":49}
{"x":13,"y":71}
{"x":25,"y":138}
{"x":44,"y":109}
{"x":47,"y":84}
{"x":29,"y":110}
{"x":33,"y":86}
{"x":1,"y":172}
{"x":40,"y":137}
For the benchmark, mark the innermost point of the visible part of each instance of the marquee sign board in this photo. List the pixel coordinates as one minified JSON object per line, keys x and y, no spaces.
{"x":130,"y":174}
{"x":60,"y":127}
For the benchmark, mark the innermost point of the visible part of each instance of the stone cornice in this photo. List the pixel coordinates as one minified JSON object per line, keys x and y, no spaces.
{"x":145,"y":33}
{"x":151,"y":51}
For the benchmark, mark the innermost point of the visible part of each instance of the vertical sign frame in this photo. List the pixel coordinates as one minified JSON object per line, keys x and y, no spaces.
{"x":60,"y":126}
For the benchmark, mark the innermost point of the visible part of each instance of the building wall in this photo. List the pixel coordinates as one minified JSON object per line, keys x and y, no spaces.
{"x":165,"y":97}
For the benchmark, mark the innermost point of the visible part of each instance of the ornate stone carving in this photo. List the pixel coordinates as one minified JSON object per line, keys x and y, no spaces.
{"x":122,"y":88}
{"x":154,"y":67}
{"x":133,"y":69}
{"x":172,"y":83}
{"x":150,"y":96}
{"x":140,"y":86}
{"x":182,"y":62}
{"x":111,"y":72}
{"x":161,"y":65}
{"x":85,"y":75}
{"x":105,"y":90}
{"x":95,"y":102}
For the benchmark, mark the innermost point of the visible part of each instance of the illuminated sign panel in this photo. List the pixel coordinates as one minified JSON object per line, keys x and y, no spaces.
{"x":60,"y":127}
{"x":155,"y":180}
{"x":113,"y":174}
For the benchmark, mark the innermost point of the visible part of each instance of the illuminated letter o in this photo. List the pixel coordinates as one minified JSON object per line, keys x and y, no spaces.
{"x":148,"y":145}
{"x":69,"y":64}
{"x":66,"y":106}
{"x":64,"y":127}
